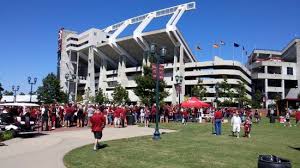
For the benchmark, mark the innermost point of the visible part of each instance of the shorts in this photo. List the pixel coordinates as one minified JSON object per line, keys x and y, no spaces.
{"x":236,"y":128}
{"x":68,"y":117}
{"x":98,"y":134}
{"x":53,"y":118}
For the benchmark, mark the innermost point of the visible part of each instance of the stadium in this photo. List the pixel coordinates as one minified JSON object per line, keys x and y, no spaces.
{"x":100,"y":59}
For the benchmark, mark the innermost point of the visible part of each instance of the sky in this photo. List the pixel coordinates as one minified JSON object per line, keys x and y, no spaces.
{"x":28,"y":29}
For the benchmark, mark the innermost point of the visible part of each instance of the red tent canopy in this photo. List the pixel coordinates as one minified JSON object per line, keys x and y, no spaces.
{"x":194,"y":102}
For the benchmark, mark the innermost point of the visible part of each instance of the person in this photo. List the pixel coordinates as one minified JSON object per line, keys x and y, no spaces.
{"x":256,"y":116}
{"x":247,"y":127}
{"x":123,"y":116}
{"x":218,"y":122}
{"x":117,"y":119}
{"x":45,"y":118}
{"x":184,"y":116}
{"x":287,"y":119}
{"x":236,"y":124}
{"x":53,"y":116}
{"x":147,"y":114}
{"x":90,"y":112}
{"x":97,"y":125}
{"x":80,"y":116}
{"x":69,"y":112}
{"x":142,"y":115}
{"x":297,"y":116}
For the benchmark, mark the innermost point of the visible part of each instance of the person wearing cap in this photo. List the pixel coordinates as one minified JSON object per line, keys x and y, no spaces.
{"x":97,"y":125}
{"x":236,"y":124}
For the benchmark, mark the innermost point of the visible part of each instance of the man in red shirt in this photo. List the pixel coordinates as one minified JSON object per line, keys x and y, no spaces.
{"x":297,"y":116}
{"x":117,"y":119}
{"x":98,"y":123}
{"x":218,"y":121}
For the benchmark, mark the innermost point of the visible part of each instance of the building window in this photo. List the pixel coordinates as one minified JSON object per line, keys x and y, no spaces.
{"x":289,"y":70}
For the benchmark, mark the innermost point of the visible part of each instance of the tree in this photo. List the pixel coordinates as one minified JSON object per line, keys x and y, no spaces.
{"x":120,"y":95}
{"x":1,"y":89}
{"x":8,"y":93}
{"x":226,"y":92}
{"x":242,"y":99}
{"x":21,"y":93}
{"x":100,"y":97}
{"x":50,"y":91}
{"x":146,"y":86}
{"x":199,"y":91}
{"x":257,"y":99}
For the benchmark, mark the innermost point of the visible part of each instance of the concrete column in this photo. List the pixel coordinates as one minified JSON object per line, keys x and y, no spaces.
{"x":77,"y":75}
{"x":181,"y":72}
{"x":266,"y":92}
{"x":174,"y":94}
{"x":266,"y":69}
{"x":298,"y":64}
{"x":102,"y":76}
{"x":283,"y":89}
{"x":144,"y":63}
{"x":90,"y":82}
{"x":121,"y":70}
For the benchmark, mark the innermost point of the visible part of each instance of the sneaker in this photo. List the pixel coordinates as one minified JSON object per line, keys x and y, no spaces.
{"x":95,"y":148}
{"x":53,"y":128}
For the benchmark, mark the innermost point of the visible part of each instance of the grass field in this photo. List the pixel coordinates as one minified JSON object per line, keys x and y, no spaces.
{"x":193,"y":146}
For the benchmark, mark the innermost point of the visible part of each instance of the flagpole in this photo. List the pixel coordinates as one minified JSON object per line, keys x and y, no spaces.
{"x":242,"y":56}
{"x":233,"y":54}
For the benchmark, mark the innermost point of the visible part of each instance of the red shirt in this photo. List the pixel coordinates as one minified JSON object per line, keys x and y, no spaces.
{"x":153,"y":110}
{"x":185,"y":113}
{"x":117,"y":112}
{"x":297,"y":115}
{"x":218,"y":115}
{"x":123,"y":113}
{"x":98,"y":122}
{"x":69,"y":110}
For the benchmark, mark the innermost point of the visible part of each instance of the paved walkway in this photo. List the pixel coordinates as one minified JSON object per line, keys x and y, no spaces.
{"x":48,"y":150}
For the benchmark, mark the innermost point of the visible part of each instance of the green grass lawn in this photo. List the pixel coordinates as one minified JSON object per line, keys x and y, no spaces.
{"x":193,"y":146}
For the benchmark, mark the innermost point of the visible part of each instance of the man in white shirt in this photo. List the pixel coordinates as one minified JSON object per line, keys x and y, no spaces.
{"x":236,"y":124}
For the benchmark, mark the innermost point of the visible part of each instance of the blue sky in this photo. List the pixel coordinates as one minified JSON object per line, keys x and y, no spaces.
{"x":28,"y":29}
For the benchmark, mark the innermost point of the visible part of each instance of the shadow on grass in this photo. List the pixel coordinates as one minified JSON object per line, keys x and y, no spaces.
{"x":298,"y":149}
{"x":102,"y":146}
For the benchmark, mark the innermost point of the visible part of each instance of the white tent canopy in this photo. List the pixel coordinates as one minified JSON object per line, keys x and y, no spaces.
{"x":20,"y":104}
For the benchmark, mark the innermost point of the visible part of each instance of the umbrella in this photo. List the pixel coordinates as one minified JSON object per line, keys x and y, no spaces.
{"x":194,"y":102}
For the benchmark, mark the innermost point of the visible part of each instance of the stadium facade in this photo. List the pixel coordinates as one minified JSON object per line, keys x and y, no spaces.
{"x":276,"y":74}
{"x":99,"y":58}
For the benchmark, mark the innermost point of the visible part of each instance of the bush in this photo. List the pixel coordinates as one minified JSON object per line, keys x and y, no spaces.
{"x":6,"y":135}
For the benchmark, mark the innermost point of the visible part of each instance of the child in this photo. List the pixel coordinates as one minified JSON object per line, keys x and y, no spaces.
{"x":247,"y":127}
{"x":184,"y":116}
{"x":236,"y":124}
{"x":287,"y":119}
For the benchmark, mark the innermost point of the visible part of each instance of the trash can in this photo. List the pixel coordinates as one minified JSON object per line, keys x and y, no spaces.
{"x":130,"y":119}
{"x":271,"y":161}
{"x":272,"y":119}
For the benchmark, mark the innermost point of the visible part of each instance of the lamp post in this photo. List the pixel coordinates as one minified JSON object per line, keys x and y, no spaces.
{"x":69,"y":78}
{"x":178,"y":79}
{"x":159,"y":58}
{"x":15,"y":89}
{"x":31,"y":83}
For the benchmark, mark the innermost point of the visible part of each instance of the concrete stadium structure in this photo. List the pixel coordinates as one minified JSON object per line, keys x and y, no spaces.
{"x":99,"y":58}
{"x":276,"y":73}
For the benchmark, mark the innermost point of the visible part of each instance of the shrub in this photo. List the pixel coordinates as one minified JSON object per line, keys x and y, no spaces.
{"x":6,"y":135}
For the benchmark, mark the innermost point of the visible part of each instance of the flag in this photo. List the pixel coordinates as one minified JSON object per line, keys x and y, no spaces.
{"x":198,"y":48}
{"x":216,"y":46}
{"x":222,"y":42}
{"x":236,"y":45}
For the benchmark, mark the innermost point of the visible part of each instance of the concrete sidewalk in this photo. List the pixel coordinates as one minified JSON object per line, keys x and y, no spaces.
{"x":47,"y":151}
